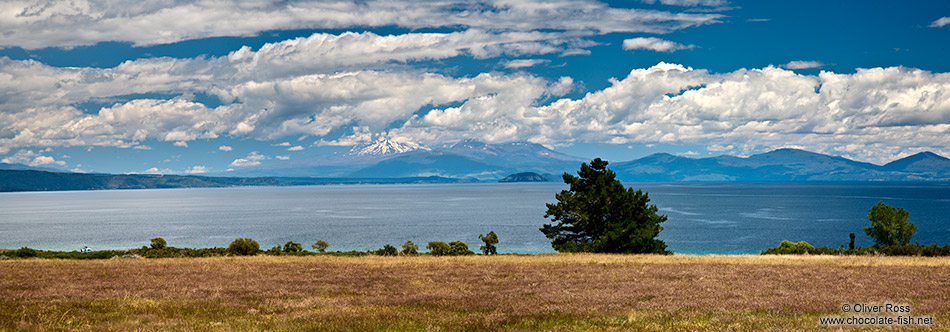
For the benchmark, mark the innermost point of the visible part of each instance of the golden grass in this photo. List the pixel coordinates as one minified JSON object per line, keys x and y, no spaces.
{"x":506,"y":292}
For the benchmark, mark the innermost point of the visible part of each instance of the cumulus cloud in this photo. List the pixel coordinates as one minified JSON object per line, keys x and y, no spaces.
{"x":252,"y":159}
{"x":197,"y":170}
{"x":941,"y":22}
{"x":690,"y":3}
{"x":653,"y":44}
{"x":224,"y":148}
{"x":282,"y":157}
{"x":803,"y":64}
{"x":524,"y":63}
{"x":28,"y":157}
{"x":50,"y":23}
{"x":182,"y":144}
{"x":156,"y":170}
{"x":882,"y":111}
{"x":295,"y":148}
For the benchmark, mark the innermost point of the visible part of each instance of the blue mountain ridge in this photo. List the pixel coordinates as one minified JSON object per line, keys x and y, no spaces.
{"x":490,"y":162}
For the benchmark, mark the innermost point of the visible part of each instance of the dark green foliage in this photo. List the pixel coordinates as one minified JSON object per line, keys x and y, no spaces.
{"x":42,"y":181}
{"x":158,"y":243}
{"x":599,"y":214}
{"x":24,"y":252}
{"x":438,"y":248}
{"x":788,"y":248}
{"x":851,"y":244}
{"x":889,"y":225}
{"x":387,"y":250}
{"x":320,"y":246}
{"x":410,"y":248}
{"x":459,"y":248}
{"x":275,"y":250}
{"x":490,"y":240}
{"x":292,"y":247}
{"x":244,"y":247}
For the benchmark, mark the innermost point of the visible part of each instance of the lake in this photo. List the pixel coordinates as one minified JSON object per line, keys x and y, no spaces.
{"x":721,"y":218}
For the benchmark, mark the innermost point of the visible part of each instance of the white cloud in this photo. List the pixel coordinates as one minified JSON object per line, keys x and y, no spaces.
{"x":282,"y":157}
{"x":691,"y":3}
{"x":28,"y":157}
{"x":224,"y":148}
{"x":39,"y":24}
{"x":283,"y":144}
{"x":295,"y":148}
{"x":142,"y":147}
{"x":941,"y":22}
{"x":252,"y":159}
{"x":181,"y":144}
{"x":197,"y":170}
{"x":653,"y":44}
{"x":803,"y":64}
{"x":156,"y":170}
{"x":883,"y":110}
{"x":524,"y":63}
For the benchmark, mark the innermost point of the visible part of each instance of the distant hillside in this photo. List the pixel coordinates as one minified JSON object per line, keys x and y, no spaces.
{"x":781,"y":165}
{"x":25,"y":180}
{"x":525,"y":177}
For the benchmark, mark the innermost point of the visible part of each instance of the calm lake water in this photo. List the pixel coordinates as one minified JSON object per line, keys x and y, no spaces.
{"x":723,"y":218}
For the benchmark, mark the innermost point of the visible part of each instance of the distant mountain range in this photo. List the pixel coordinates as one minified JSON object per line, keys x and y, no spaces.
{"x":387,"y":161}
{"x":490,"y":162}
{"x":782,"y":165}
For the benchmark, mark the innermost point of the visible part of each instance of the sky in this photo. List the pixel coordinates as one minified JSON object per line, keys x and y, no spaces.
{"x":203,"y":87}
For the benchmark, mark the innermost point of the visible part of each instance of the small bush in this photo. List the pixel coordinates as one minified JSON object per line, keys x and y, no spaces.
{"x":244,"y":247}
{"x":320,"y":246}
{"x":459,"y":248}
{"x":158,"y":243}
{"x":292,"y":247}
{"x":410,"y":248}
{"x":788,"y":247}
{"x":438,"y":248}
{"x":490,"y":241}
{"x":25,"y":252}
{"x":275,"y":250}
{"x":387,"y":250}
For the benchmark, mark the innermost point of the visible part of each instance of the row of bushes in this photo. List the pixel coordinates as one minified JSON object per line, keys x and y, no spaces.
{"x":910,"y":249}
{"x":158,"y":248}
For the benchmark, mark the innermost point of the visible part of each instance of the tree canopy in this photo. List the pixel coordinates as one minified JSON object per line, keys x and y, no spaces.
{"x":889,"y":225}
{"x":599,"y":214}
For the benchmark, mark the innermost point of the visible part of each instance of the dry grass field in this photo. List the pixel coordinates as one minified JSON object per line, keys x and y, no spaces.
{"x":540,"y":292}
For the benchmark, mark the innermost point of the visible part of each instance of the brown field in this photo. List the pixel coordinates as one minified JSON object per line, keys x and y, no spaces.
{"x":541,"y":292}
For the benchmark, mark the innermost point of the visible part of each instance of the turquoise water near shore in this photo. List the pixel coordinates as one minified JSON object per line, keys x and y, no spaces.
{"x":704,"y":218}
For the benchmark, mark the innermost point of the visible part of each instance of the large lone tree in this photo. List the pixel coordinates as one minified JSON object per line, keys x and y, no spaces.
{"x":889,"y":225}
{"x":599,"y":214}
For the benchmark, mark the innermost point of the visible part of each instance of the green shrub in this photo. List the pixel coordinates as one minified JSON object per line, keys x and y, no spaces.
{"x":788,"y":247}
{"x":25,"y":252}
{"x":459,"y":248}
{"x":410,"y":248}
{"x":292,"y":247}
{"x":387,"y":250}
{"x":490,"y":240}
{"x":320,"y":246}
{"x":438,"y":248}
{"x":275,"y":250}
{"x":158,"y":243}
{"x":244,"y":247}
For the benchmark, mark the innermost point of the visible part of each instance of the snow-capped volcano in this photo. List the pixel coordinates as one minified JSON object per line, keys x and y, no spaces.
{"x":384,"y":147}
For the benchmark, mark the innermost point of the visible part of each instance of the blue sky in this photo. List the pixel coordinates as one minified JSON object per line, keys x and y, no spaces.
{"x":204,"y":87}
